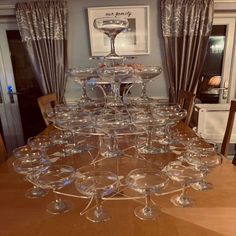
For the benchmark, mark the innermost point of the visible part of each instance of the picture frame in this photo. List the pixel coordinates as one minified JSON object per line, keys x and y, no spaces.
{"x":135,"y":41}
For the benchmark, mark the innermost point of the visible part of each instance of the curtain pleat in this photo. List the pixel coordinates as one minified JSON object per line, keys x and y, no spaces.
{"x":43,"y":29}
{"x":186,"y":28}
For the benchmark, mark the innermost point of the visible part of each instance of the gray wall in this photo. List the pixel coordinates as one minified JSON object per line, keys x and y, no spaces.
{"x":79,"y":42}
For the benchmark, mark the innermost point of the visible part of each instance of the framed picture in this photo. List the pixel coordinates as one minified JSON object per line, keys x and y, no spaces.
{"x":135,"y":41}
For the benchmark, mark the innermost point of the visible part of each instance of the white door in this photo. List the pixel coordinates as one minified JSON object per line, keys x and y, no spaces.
{"x":212,"y":118}
{"x":226,"y":90}
{"x":9,"y":109}
{"x":218,"y":79}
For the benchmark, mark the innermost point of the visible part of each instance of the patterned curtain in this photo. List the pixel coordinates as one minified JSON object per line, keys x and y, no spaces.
{"x":43,"y":29}
{"x":186,"y":28}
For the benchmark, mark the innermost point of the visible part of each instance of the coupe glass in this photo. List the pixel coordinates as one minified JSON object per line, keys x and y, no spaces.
{"x":23,"y":151}
{"x":62,"y":119}
{"x":76,"y":123}
{"x":143,"y":118}
{"x":61,"y":140}
{"x":73,"y":121}
{"x":56,"y":177}
{"x":146,"y":181}
{"x":40,"y":142}
{"x":170,"y":114}
{"x":147,"y":73}
{"x":29,"y":165}
{"x":186,"y":175}
{"x":205,"y":159}
{"x":59,"y":137}
{"x":111,"y":26}
{"x":115,"y":74}
{"x":81,"y":76}
{"x":97,"y":184}
{"x":53,"y":112}
{"x":111,"y":125}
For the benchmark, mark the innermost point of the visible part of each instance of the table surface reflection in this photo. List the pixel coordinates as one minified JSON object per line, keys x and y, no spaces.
{"x":214,"y":212}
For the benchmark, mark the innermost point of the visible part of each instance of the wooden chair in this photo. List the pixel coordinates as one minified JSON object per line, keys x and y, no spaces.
{"x":186,"y":101}
{"x":46,"y":101}
{"x":228,"y":131}
{"x":3,"y":152}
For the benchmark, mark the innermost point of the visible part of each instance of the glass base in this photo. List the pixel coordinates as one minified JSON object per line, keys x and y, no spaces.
{"x":145,"y":213}
{"x":59,"y":207}
{"x":113,"y":154}
{"x":36,"y":192}
{"x":182,"y":201}
{"x":202,"y":186}
{"x":151,"y":150}
{"x":98,"y":216}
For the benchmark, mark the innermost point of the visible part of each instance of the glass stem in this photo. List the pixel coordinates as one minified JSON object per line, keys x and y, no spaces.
{"x":184,"y":190}
{"x":144,"y":90}
{"x":116,"y":90}
{"x":167,"y":129}
{"x":113,"y":142}
{"x":149,"y":140}
{"x":148,"y":206}
{"x":148,"y":200}
{"x":98,"y":209}
{"x":84,"y":95}
{"x":112,"y":40}
{"x":74,"y":138}
{"x":104,"y":94}
{"x":57,"y":198}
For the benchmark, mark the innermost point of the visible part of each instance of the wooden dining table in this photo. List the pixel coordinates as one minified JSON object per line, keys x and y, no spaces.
{"x":213,"y":212}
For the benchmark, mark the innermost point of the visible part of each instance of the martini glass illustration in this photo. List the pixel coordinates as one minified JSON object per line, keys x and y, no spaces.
{"x":111,"y":26}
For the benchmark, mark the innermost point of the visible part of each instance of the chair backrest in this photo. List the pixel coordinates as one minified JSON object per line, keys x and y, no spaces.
{"x":228,"y":130}
{"x":3,"y":152}
{"x":46,"y":101}
{"x":186,"y":101}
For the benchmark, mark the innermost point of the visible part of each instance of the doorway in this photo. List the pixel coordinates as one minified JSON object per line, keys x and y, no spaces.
{"x":19,"y":111}
{"x":209,"y":86}
{"x":216,"y":80}
{"x":26,"y":86}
